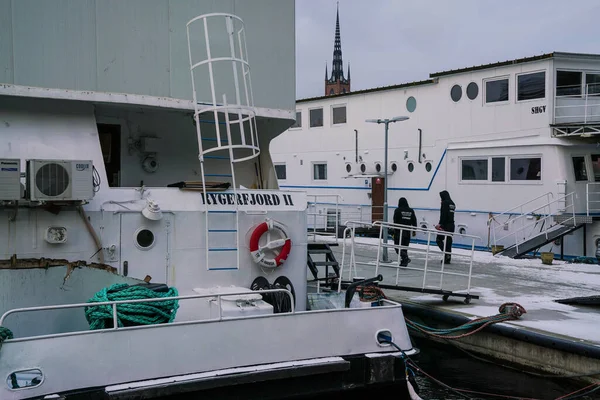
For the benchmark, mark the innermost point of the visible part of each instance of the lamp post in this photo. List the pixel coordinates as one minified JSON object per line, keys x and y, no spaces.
{"x":385,"y":182}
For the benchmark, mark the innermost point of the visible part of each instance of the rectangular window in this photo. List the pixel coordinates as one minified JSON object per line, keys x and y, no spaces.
{"x":496,"y":90}
{"x":531,"y":86}
{"x":596,"y":167}
{"x":320,"y":172}
{"x":592,"y":83}
{"x":526,"y":169}
{"x":474,"y":170}
{"x":316,"y":117}
{"x":280,"y":171}
{"x":568,"y":83}
{"x":579,"y":168}
{"x":338,"y":114}
{"x":298,"y":123}
{"x":498,"y":169}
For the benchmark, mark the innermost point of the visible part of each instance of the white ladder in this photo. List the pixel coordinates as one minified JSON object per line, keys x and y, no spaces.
{"x":238,"y":119}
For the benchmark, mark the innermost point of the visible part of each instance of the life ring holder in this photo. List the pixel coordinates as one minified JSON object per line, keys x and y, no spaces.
{"x":258,"y":252}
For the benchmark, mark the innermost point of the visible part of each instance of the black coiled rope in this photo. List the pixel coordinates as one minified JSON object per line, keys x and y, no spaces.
{"x":280,"y":301}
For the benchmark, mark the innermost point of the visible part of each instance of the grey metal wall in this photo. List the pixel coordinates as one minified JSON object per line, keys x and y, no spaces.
{"x":139,"y":46}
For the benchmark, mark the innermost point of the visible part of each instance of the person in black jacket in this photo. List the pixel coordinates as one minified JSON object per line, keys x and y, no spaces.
{"x":404,"y":215}
{"x":446,"y":224}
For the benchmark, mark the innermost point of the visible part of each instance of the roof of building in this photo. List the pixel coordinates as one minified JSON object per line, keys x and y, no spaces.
{"x":435,"y":75}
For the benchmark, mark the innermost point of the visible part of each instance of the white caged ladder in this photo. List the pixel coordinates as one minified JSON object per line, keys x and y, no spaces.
{"x":236,"y":120}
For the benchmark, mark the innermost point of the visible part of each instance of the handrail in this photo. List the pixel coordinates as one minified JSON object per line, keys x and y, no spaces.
{"x":114,"y":303}
{"x":587,"y":197}
{"x":510,"y":211}
{"x":314,"y":203}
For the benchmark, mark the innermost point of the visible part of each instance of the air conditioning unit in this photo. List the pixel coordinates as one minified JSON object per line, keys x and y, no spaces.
{"x":393,"y":167}
{"x":60,"y":180}
{"x":10,"y":179}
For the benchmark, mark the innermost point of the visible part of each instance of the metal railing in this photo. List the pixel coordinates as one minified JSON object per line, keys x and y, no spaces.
{"x":322,"y":221}
{"x":428,"y":251}
{"x":578,"y":107}
{"x":114,"y":304}
{"x":592,"y":196}
{"x":542,"y":217}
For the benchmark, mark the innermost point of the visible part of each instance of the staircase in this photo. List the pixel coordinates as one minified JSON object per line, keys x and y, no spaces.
{"x":326,"y":259}
{"x":538,"y":227}
{"x":226,"y":132}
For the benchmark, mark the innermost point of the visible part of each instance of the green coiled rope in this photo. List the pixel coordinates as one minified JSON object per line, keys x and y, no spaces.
{"x":157,"y":312}
{"x":5,"y":334}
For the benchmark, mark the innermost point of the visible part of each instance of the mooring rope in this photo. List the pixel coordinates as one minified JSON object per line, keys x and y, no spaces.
{"x":158,"y":312}
{"x":5,"y":334}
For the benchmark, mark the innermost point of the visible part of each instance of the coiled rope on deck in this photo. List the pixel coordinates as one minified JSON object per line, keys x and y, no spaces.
{"x":5,"y":334}
{"x":131,"y":314}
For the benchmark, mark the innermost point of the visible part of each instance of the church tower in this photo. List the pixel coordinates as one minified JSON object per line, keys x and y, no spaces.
{"x":337,"y":83}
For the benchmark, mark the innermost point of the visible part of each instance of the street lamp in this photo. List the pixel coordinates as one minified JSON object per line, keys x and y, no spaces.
{"x":385,"y":182}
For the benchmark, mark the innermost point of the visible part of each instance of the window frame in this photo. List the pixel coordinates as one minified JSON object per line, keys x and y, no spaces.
{"x":313,"y":165}
{"x":525,"y":182}
{"x":310,"y":119}
{"x":338,"y":105}
{"x":587,"y":161}
{"x":493,"y":79}
{"x":296,"y":128}
{"x":530,"y":73}
{"x":581,"y":84}
{"x":276,"y":164}
{"x":474,"y":181}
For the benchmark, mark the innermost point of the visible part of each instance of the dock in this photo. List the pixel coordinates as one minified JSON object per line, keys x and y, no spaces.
{"x":550,"y":339}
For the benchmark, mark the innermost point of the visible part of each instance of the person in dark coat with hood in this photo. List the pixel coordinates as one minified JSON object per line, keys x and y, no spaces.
{"x":404,"y":215}
{"x":446,"y":224}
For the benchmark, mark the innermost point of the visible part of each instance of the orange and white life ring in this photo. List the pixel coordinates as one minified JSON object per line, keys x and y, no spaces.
{"x":258,"y":252}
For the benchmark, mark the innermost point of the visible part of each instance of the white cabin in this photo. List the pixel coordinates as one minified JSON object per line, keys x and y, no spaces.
{"x":511,"y":140}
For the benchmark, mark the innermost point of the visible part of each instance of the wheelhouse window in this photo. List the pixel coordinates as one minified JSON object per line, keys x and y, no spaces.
{"x":596,"y":167}
{"x":474,"y":170}
{"x":298,"y":123}
{"x":568,"y":83}
{"x":592,"y":83}
{"x":531,"y":86}
{"x":338,"y":114}
{"x":526,"y":169}
{"x":579,"y":168}
{"x":320,"y":172}
{"x":316,"y":117}
{"x":496,"y":90}
{"x":280,"y":171}
{"x":498,"y":169}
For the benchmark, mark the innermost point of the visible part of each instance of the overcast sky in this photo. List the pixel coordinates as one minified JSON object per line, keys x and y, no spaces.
{"x":394,"y":41}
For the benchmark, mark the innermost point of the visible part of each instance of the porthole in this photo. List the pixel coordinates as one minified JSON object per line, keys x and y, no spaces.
{"x":424,"y":226}
{"x":462,"y":230}
{"x":411,"y":167}
{"x":348,"y":168}
{"x":394,"y":167}
{"x":378,"y":167}
{"x":456,"y":93}
{"x":428,"y":166}
{"x":144,"y":239}
{"x":411,"y":104}
{"x":472,"y":91}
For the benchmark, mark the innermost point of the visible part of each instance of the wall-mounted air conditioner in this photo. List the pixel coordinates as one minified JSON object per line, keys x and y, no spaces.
{"x":10,"y":179}
{"x":60,"y":180}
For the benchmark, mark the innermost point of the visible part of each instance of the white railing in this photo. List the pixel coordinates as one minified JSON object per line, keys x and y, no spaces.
{"x":114,"y":304}
{"x":578,"y":107}
{"x":542,"y":217}
{"x":428,"y":252}
{"x":319,"y":217}
{"x":592,"y":198}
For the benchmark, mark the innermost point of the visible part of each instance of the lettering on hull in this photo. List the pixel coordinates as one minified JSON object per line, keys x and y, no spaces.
{"x":248,"y":199}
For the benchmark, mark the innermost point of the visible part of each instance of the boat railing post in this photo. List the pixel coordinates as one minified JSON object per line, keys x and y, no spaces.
{"x":115,"y":320}
{"x":426,"y":258}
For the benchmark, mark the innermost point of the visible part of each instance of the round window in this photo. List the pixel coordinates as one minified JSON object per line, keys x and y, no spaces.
{"x":456,"y":93}
{"x":472,"y":91}
{"x":348,"y":168}
{"x":394,"y":167}
{"x":411,"y":167}
{"x":423,"y":226}
{"x":144,"y":238}
{"x":411,"y":104}
{"x":462,"y":231}
{"x":428,"y":166}
{"x":378,"y":167}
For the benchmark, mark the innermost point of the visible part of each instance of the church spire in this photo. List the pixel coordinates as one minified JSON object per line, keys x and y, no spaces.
{"x":337,"y":83}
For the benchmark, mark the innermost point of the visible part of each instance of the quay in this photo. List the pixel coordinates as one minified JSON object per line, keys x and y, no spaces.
{"x":549,"y":339}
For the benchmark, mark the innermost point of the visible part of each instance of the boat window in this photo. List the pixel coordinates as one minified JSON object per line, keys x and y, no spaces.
{"x":339,"y":114}
{"x":280,"y":171}
{"x":568,"y":83}
{"x":531,"y":86}
{"x":592,"y":82}
{"x":596,"y":167}
{"x":472,"y":91}
{"x":496,"y":90}
{"x":411,"y":104}
{"x":110,"y":143}
{"x":456,"y":93}
{"x":526,"y":169}
{"x":498,"y":169}
{"x":320,"y":172}
{"x":579,"y":168}
{"x":298,"y":123}
{"x":475,"y":170}
{"x":316,"y":117}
